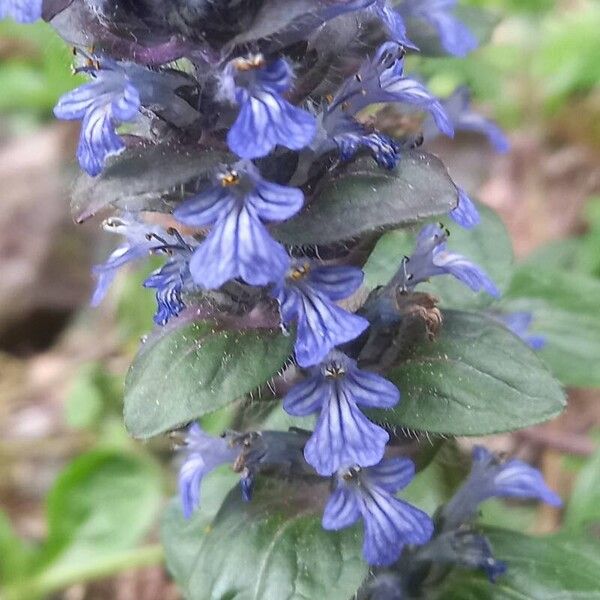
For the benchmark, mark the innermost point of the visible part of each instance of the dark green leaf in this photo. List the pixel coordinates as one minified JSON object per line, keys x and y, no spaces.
{"x":538,"y":569}
{"x":583,"y":509}
{"x":271,"y":548}
{"x":565,"y":310}
{"x":104,"y":502}
{"x":196,"y":370}
{"x":364,"y":198}
{"x":141,"y":177}
{"x":477,"y":378}
{"x":488,"y":245}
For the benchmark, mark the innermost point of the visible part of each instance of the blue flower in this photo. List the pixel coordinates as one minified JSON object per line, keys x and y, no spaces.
{"x":349,"y":136}
{"x":464,"y":118}
{"x":389,"y":523}
{"x":239,"y":244}
{"x":378,"y":80}
{"x":343,"y":435}
{"x":23,"y":11}
{"x":307,"y":296}
{"x":456,"y":38}
{"x":431,"y":258}
{"x":465,"y":214}
{"x":203,"y":453}
{"x":519,"y":323}
{"x":171,"y":279}
{"x":139,"y":243}
{"x":143,"y":240}
{"x":490,"y":478}
{"x":382,"y":79}
{"x":102,"y":105}
{"x":265,"y":119}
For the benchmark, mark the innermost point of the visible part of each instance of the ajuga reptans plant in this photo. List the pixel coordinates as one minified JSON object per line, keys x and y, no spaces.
{"x":242,"y":142}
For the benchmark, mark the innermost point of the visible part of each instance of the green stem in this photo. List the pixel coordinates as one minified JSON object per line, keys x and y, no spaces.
{"x":62,"y":576}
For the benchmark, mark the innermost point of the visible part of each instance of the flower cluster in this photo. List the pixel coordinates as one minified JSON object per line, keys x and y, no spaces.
{"x":279,"y":122}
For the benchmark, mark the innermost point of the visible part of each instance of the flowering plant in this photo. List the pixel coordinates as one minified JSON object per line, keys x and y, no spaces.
{"x":305,"y":274}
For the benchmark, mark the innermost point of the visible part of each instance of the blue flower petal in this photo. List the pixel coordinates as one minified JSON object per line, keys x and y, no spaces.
{"x":203,"y":453}
{"x":306,"y":397}
{"x":517,"y":479}
{"x":466,"y":272}
{"x":273,"y":202}
{"x":491,"y":478}
{"x":238,"y":245}
{"x":519,"y":323}
{"x":169,"y":282}
{"x":455,"y":36}
{"x":106,"y":272}
{"x":342,"y":509}
{"x":393,"y":474}
{"x":344,"y":436}
{"x":276,"y":77}
{"x":321,"y":327}
{"x":389,"y":525}
{"x":466,"y":213}
{"x":102,"y":105}
{"x":394,"y":23}
{"x":431,"y":258}
{"x":267,"y":120}
{"x":190,"y":478}
{"x":98,"y":141}
{"x":337,"y":283}
{"x":205,"y":207}
{"x":411,"y":91}
{"x":371,"y":390}
{"x":22,"y":11}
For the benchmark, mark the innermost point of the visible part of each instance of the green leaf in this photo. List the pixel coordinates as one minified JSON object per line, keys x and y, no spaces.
{"x":181,"y":537}
{"x":17,"y":556}
{"x":364,"y":198}
{"x":488,"y":245}
{"x":583,"y":509}
{"x":104,"y":502}
{"x":538,"y":569}
{"x":565,"y":310}
{"x":476,"y":378}
{"x":271,"y":548}
{"x":34,"y":69}
{"x":94,"y":396}
{"x":145,"y":177}
{"x":196,"y":370}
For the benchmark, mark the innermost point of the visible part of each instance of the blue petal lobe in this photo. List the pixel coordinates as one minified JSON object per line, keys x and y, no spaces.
{"x":337,"y":283}
{"x":392,"y":474}
{"x":344,"y":436}
{"x":466,"y":213}
{"x":267,"y":120}
{"x":306,"y":397}
{"x":238,"y":245}
{"x":342,"y":509}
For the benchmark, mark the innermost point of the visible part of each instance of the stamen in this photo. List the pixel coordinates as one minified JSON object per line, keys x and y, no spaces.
{"x":300,"y":272}
{"x":334,"y":371}
{"x":173,"y":232}
{"x":249,"y":63}
{"x":230,"y":178}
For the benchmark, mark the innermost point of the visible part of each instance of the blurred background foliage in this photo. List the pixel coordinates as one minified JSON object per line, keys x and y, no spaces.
{"x":80,"y":500}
